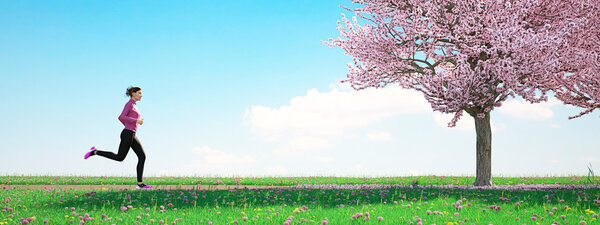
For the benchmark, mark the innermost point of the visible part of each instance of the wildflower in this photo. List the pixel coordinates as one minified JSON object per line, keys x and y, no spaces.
{"x":324,"y":222}
{"x":380,"y":218}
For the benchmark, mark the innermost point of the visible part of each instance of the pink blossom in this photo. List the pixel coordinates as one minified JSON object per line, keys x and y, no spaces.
{"x":476,"y":54}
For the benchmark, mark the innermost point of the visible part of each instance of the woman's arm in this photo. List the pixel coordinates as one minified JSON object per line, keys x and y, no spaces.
{"x":123,"y":117}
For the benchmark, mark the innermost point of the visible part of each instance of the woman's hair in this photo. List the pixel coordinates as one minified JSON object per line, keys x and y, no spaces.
{"x":131,"y":90}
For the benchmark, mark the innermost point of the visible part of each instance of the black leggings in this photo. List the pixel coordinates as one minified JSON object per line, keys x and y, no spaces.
{"x":128,"y":139}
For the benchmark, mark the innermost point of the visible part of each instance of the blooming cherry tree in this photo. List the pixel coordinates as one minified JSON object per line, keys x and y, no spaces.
{"x":463,"y":55}
{"x":577,"y":82}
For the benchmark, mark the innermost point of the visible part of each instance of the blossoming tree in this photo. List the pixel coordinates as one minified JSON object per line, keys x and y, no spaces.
{"x":463,"y":55}
{"x":578,"y":80}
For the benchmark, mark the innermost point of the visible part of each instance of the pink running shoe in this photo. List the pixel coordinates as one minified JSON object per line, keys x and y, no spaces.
{"x":142,"y":186}
{"x":87,"y":155}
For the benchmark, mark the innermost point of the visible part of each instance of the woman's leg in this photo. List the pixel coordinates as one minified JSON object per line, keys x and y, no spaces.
{"x":126,"y":140}
{"x":139,"y":151}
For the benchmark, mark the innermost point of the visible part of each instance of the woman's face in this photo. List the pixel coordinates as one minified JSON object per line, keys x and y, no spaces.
{"x":137,"y":96}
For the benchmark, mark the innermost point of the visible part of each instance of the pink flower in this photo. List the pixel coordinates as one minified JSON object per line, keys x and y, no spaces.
{"x":583,"y":222}
{"x":46,"y":221}
{"x":123,"y":208}
{"x":324,"y":222}
{"x":533,"y":218}
{"x":562,"y":216}
{"x":380,"y":218}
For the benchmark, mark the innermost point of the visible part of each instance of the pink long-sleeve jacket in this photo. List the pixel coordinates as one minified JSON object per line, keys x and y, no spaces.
{"x":130,"y":115}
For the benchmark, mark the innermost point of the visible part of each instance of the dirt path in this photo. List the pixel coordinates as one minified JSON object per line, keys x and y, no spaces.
{"x":231,"y":187}
{"x":132,"y":187}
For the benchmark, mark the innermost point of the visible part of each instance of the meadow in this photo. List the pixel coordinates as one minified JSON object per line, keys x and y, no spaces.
{"x":291,"y":181}
{"x":319,"y":200}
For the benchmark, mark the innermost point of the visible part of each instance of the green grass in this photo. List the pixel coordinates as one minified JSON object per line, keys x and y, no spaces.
{"x":291,"y":181}
{"x":275,"y":206}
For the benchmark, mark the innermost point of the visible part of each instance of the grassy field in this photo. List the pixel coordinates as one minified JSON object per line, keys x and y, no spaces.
{"x":291,"y":181}
{"x":344,"y":204}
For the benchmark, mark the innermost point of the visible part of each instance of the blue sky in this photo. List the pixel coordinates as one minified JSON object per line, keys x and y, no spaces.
{"x":238,"y":88}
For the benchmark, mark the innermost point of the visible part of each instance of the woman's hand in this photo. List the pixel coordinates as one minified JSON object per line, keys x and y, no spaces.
{"x":140,"y":121}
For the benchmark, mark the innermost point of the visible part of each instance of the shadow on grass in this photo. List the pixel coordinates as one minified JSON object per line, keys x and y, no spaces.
{"x":314,"y":198}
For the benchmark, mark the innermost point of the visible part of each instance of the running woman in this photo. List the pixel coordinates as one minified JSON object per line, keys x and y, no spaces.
{"x":130,"y":117}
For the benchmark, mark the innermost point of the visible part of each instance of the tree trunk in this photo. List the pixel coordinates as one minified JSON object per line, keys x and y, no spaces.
{"x":484,"y":150}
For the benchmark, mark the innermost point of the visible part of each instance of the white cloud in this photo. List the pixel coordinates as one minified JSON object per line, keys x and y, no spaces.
{"x":525,"y":110}
{"x":213,"y":156}
{"x":554,"y":161}
{"x":415,"y":172}
{"x":358,"y":169}
{"x":308,"y":143}
{"x":324,"y":159}
{"x":591,"y":159}
{"x":379,"y":136}
{"x":328,"y":114}
{"x":276,"y":170}
{"x":554,"y":125}
{"x":214,"y":162}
